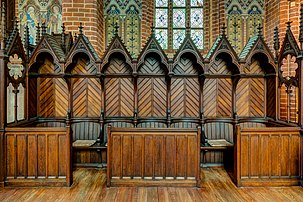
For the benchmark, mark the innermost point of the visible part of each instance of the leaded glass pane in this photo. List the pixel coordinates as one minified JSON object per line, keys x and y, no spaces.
{"x":197,"y":37}
{"x":161,"y":18}
{"x":196,"y":18}
{"x":179,"y":18}
{"x":197,"y":3}
{"x":161,"y":3}
{"x":161,"y":36}
{"x":179,"y":3}
{"x":178,"y":37}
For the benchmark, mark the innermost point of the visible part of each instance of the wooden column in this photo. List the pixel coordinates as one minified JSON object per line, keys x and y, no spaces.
{"x":2,"y":113}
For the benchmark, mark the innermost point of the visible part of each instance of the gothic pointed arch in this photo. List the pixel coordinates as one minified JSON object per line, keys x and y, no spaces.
{"x":48,"y":44}
{"x":83,"y":46}
{"x":257,"y":48}
{"x":116,"y":46}
{"x":152,"y":46}
{"x":188,"y":46}
{"x":222,"y":48}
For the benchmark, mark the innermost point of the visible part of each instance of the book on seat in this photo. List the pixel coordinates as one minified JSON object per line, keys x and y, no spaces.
{"x":83,"y":143}
{"x":219,"y":143}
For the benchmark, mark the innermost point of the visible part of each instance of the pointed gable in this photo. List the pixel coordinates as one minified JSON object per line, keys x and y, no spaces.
{"x":152,"y":46}
{"x":256,"y":44}
{"x":116,"y":46}
{"x":48,"y":43}
{"x":289,"y":45}
{"x":14,"y":45}
{"x":188,"y":46}
{"x":82,"y":44}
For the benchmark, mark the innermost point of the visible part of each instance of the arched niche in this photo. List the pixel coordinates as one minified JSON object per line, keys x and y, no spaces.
{"x":86,"y":87}
{"x":185,"y":88}
{"x":119,"y":87}
{"x":256,"y":90}
{"x":50,"y":91}
{"x":152,"y":87}
{"x":218,"y":86}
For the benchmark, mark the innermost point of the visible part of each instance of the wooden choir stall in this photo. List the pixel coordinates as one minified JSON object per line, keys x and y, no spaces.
{"x":145,"y":118}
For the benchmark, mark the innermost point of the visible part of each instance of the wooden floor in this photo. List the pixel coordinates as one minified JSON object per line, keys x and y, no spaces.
{"x":89,"y":185}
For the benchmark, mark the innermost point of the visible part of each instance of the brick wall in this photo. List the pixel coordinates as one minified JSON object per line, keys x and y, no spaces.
{"x":90,"y":13}
{"x":147,"y":20}
{"x":277,"y":13}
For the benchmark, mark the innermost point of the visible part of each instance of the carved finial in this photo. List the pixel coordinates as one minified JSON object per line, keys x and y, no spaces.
{"x":75,"y":37}
{"x":288,"y":24}
{"x":260,"y":28}
{"x":16,"y":23}
{"x":43,"y":29}
{"x":63,"y":37}
{"x":223,"y":29}
{"x":38,"y":33}
{"x":187,"y":29}
{"x":3,"y":21}
{"x":276,"y":39}
{"x":81,"y":29}
{"x":116,"y":29}
{"x":26,"y":40}
{"x":301,"y":26}
{"x":153,"y":29}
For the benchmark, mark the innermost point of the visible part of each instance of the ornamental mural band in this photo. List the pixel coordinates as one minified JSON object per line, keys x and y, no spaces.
{"x":36,"y":12}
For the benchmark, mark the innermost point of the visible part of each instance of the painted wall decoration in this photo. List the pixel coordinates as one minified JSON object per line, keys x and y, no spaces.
{"x":126,"y":14}
{"x":243,"y":19}
{"x":32,"y":12}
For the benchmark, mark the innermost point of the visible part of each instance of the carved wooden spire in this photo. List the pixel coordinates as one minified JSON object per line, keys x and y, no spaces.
{"x":81,"y":29}
{"x":26,"y":41}
{"x":38,"y":37}
{"x":301,"y":27}
{"x":63,"y":37}
{"x":43,"y":29}
{"x":276,"y":42}
{"x":3,"y":26}
{"x":116,"y":29}
{"x":223,"y":29}
{"x":260,"y":28}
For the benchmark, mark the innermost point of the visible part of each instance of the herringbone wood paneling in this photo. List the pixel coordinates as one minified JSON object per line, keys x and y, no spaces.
{"x":86,"y":92}
{"x":86,"y":97}
{"x":217,"y":95}
{"x":219,"y":67}
{"x":151,"y":65}
{"x":250,"y":97}
{"x":46,"y":98}
{"x":32,"y":95}
{"x":185,"y":66}
{"x":271,"y":98}
{"x":119,"y":97}
{"x":254,"y":68}
{"x":118,"y":66}
{"x":152,"y":97}
{"x":185,"y":97}
{"x":53,"y":99}
{"x":83,"y":68}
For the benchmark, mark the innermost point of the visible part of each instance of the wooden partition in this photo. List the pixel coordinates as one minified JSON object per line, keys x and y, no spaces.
{"x":38,"y":157}
{"x":153,"y":157}
{"x":267,"y":156}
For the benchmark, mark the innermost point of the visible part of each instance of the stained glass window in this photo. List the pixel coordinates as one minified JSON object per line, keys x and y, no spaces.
{"x":172,"y":18}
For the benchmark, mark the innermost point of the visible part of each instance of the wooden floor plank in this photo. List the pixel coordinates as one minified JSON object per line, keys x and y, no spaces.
{"x":90,"y":185}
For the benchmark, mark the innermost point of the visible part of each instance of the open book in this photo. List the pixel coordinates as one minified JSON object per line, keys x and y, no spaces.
{"x":219,"y":143}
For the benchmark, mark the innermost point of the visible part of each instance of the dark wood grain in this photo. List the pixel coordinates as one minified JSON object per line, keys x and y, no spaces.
{"x":153,"y":157}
